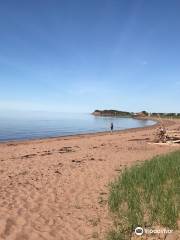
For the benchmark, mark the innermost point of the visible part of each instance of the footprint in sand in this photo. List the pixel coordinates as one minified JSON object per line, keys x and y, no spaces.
{"x":66,"y":150}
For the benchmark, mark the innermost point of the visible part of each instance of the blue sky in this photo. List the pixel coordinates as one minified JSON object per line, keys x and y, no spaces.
{"x":66,"y":55}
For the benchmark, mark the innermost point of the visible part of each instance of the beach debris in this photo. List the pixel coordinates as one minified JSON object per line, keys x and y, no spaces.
{"x":166,"y":136}
{"x":161,"y":135}
{"x":138,"y":139}
{"x":28,"y":156}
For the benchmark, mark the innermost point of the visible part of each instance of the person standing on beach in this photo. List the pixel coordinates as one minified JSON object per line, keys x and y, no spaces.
{"x":112,"y":127}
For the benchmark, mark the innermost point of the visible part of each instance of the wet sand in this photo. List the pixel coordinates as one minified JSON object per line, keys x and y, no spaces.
{"x":58,"y":188}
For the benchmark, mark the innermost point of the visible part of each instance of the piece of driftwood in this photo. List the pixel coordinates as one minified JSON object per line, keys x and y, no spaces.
{"x":169,"y":143}
{"x":167,"y":136}
{"x":176,"y":141}
{"x":173,"y":135}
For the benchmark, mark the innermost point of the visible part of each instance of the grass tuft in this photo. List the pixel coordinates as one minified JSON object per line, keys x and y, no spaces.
{"x":146,"y":195}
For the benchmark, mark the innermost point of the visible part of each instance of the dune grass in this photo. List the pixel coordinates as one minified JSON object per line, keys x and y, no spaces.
{"x":146,"y":195}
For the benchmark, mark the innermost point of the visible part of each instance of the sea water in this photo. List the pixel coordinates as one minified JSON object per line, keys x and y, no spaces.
{"x":34,"y":126}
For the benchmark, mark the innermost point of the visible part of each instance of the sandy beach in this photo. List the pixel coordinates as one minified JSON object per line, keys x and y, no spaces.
{"x":58,"y":188}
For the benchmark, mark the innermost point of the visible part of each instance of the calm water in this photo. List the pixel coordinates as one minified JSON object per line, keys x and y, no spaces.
{"x":28,"y":127}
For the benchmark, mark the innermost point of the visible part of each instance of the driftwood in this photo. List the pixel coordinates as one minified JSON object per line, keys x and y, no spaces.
{"x":173,"y":136}
{"x":164,"y":136}
{"x":176,"y":141}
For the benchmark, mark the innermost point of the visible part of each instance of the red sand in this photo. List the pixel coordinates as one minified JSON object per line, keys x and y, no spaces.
{"x":58,"y":188}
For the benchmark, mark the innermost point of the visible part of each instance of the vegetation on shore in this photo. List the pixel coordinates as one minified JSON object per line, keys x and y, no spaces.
{"x":112,"y":112}
{"x":166,"y":115}
{"x":146,"y":195}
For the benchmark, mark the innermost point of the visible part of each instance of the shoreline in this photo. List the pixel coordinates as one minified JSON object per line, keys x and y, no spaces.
{"x":79,"y":135}
{"x":58,"y":188}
